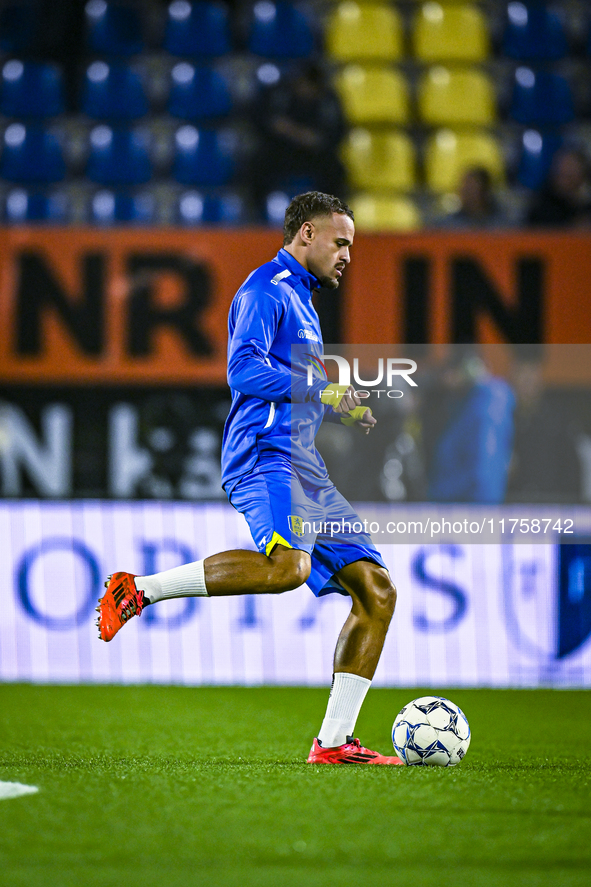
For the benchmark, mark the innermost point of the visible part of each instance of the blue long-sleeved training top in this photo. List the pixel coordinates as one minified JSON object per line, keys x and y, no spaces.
{"x":274,"y":411}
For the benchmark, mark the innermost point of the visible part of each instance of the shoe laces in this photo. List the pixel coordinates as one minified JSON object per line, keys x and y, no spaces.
{"x":130,"y":608}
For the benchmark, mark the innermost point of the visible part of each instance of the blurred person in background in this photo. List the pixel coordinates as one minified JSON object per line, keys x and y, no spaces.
{"x":467,"y":432}
{"x":300,"y":125}
{"x":389,"y":468}
{"x":478,"y":206}
{"x":565,"y":199}
{"x":545,"y":466}
{"x":59,"y":37}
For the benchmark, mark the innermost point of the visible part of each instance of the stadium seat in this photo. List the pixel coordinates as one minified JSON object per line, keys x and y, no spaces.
{"x":24,"y":207}
{"x":113,"y":91}
{"x":31,"y":89}
{"x":113,"y":28}
{"x":449,"y":154}
{"x":198,"y":93}
{"x":31,"y":154}
{"x":203,"y":156}
{"x":195,"y":208}
{"x":383,"y":212}
{"x":533,"y":33}
{"x":112,"y":207}
{"x":17,"y":27}
{"x":537,"y":152}
{"x":373,"y":95}
{"x":280,"y":30}
{"x":364,"y":32}
{"x":118,"y":156}
{"x":457,"y":32}
{"x":456,"y":97}
{"x":197,"y":29}
{"x":378,"y":161}
{"x":541,"y":98}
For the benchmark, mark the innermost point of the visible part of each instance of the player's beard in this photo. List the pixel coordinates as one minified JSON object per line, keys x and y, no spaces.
{"x":329,"y":283}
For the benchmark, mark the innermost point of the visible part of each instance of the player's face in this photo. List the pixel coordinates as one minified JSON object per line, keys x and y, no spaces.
{"x":328,"y":242}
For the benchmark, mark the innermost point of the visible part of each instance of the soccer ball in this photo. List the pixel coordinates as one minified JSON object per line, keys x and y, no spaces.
{"x":431,"y":731}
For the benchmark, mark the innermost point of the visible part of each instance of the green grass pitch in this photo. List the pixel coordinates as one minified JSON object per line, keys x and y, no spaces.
{"x":176,"y":786}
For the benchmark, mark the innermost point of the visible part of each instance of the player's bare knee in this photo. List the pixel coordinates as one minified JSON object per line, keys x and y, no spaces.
{"x":382,"y":597}
{"x":301,"y":569}
{"x":291,"y":569}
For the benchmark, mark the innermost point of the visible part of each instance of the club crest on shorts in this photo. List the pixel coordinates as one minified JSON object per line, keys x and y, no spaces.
{"x":296,"y":524}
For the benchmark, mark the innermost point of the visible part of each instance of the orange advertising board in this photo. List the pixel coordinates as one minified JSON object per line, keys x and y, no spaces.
{"x":123,"y":306}
{"x":150,"y":305}
{"x":486,"y":287}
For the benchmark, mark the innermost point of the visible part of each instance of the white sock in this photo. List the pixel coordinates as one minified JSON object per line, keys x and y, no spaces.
{"x":185,"y":581}
{"x":346,"y":698}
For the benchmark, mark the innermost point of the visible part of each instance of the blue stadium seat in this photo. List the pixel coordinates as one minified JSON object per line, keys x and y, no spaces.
{"x":533,"y":33}
{"x":113,"y":91}
{"x":276,"y":202}
{"x":198,"y":93}
{"x":31,"y":154}
{"x":31,"y":89}
{"x":17,"y":27}
{"x":197,"y":29}
{"x":268,"y":75}
{"x":280,"y":30}
{"x":113,"y":28}
{"x":541,"y":98}
{"x":24,"y":207}
{"x":203,"y":156}
{"x":537,"y":152}
{"x":114,"y":207}
{"x":196,"y":208}
{"x":118,"y":156}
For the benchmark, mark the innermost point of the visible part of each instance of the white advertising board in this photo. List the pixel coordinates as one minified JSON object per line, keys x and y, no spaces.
{"x":467,"y":614}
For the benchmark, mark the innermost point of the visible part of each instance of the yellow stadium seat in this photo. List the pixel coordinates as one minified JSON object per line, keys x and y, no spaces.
{"x":450,"y":33}
{"x":383,"y":212}
{"x":364,"y":32}
{"x":373,"y":95}
{"x":378,"y":161}
{"x":456,"y":97}
{"x":449,"y":154}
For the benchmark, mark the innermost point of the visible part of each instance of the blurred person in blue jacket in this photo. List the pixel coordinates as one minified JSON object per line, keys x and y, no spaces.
{"x":468,"y":429}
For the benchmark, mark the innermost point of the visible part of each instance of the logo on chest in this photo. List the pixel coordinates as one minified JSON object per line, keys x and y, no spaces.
{"x":308,"y":334}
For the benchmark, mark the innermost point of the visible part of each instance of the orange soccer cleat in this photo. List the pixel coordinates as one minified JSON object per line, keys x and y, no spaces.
{"x":121,"y":601}
{"x":352,"y":752}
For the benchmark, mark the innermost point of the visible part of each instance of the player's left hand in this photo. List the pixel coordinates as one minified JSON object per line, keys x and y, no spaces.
{"x":362,"y":417}
{"x":367,"y":423}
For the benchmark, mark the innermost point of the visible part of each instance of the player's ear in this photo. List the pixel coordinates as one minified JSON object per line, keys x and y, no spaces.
{"x":307,"y":232}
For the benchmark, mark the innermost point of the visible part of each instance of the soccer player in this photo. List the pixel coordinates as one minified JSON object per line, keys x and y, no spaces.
{"x":273,"y":474}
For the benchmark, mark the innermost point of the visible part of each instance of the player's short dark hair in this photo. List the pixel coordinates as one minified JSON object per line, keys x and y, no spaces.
{"x":309,"y":206}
